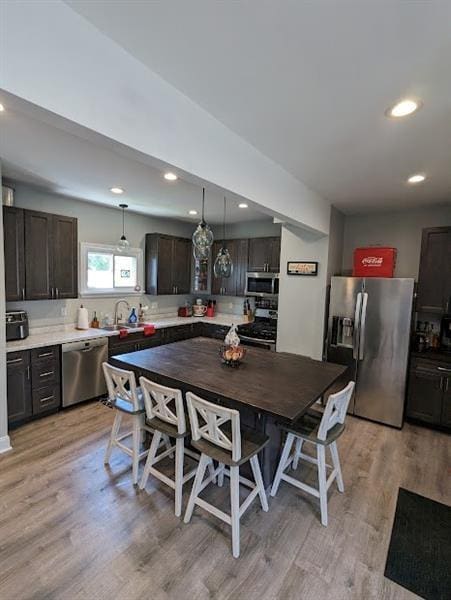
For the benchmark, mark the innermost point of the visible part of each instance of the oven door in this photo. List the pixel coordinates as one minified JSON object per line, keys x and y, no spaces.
{"x":262,"y":284}
{"x":258,"y":343}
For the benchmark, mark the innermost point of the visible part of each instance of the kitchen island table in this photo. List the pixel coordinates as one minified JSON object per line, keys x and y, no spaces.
{"x":268,"y":388}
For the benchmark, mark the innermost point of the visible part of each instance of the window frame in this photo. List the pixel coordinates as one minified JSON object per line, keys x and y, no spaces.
{"x":85,"y":292}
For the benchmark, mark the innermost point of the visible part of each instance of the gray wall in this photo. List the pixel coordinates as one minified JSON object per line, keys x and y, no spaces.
{"x":400,"y":229}
{"x":336,"y":240}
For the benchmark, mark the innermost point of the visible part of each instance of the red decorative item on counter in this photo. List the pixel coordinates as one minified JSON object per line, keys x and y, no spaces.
{"x":149,"y":330}
{"x":376,"y":261}
{"x":123,"y":333}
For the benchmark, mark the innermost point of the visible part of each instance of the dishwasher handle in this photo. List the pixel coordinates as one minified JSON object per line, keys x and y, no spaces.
{"x":85,"y":346}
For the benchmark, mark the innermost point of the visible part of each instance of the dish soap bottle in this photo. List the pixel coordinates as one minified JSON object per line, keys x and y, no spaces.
{"x":133,"y":318}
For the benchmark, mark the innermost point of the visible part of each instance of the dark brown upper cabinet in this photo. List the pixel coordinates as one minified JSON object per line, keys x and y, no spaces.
{"x":434,"y":280}
{"x":168,"y":264}
{"x":40,"y":255}
{"x":264,"y":254}
{"x":235,"y":284}
{"x":13,"y":227}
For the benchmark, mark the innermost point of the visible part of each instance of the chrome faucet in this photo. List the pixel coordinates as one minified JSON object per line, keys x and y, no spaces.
{"x":116,"y":307}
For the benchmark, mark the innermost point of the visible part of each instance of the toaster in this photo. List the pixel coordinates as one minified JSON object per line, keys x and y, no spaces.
{"x":16,"y":325}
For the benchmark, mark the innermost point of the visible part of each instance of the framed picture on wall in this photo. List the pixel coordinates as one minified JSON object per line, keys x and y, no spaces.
{"x":302,"y":267}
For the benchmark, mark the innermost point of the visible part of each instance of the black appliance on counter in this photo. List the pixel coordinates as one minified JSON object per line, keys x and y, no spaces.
{"x":445,"y":334}
{"x":262,"y":332}
{"x":16,"y":325}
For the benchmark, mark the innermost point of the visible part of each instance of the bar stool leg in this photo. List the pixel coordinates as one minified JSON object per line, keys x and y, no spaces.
{"x":255,"y":466}
{"x":221,"y":475}
{"x":203,"y":461}
{"x":113,"y":436}
{"x":282,"y":463}
{"x":150,"y":458}
{"x":179,"y":452}
{"x":136,"y":440}
{"x":235,"y":509}
{"x":321,"y":455}
{"x":336,"y":463}
{"x":297,"y":453}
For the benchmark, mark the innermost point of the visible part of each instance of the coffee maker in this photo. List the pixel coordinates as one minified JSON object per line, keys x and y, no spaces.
{"x":445,"y":333}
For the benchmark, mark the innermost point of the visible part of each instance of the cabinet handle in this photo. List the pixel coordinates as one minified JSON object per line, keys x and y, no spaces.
{"x":46,"y":374}
{"x":42,"y":400}
{"x":13,"y":361}
{"x":28,"y":372}
{"x":444,"y":369}
{"x":44,"y":354}
{"x":23,"y":293}
{"x":57,"y":292}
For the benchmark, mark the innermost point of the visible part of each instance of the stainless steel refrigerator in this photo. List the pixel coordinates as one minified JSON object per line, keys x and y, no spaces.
{"x":369,"y":327}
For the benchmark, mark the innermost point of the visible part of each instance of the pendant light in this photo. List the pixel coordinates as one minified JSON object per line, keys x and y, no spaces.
{"x":203,"y":236}
{"x":223,"y":266}
{"x":123,"y":244}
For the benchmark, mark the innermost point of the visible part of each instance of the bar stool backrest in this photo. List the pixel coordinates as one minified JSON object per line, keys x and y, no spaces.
{"x":165,"y":403}
{"x":207,"y":421}
{"x":335,"y":411}
{"x":121,"y":385}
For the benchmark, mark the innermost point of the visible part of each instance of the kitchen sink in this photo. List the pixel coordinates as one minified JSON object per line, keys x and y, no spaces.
{"x":119,"y":326}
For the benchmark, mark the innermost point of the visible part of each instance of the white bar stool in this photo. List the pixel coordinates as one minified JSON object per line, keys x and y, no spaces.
{"x":126,"y":399}
{"x":219,"y":437}
{"x":322,"y":430}
{"x":166,"y":416}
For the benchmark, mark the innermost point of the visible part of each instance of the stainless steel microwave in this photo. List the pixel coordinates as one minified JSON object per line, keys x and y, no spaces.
{"x":262,"y":284}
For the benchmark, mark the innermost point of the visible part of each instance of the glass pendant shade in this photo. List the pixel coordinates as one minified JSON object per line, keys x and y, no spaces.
{"x":123,"y":244}
{"x":223,"y":266}
{"x":203,"y":236}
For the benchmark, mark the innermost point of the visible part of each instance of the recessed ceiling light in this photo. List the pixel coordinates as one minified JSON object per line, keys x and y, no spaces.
{"x":2,"y":108}
{"x":418,"y":178}
{"x":170,"y":176}
{"x":403,"y":108}
{"x":192,"y":212}
{"x":116,"y":190}
{"x":242,"y":205}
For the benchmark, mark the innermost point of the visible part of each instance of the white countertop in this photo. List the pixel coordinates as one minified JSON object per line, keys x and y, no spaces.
{"x":61,"y":335}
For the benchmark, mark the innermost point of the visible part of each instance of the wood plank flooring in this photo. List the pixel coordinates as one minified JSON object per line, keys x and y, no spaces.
{"x":72,"y":529}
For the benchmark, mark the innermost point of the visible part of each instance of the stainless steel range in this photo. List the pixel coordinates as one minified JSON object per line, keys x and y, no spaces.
{"x":262,"y":332}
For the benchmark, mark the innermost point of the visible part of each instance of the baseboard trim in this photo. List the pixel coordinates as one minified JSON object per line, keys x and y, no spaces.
{"x":5,"y":444}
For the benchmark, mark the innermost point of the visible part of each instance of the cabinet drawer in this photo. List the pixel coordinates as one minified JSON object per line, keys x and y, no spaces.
{"x":46,"y":398}
{"x":44,"y":372}
{"x":48,"y":353}
{"x":18,"y":359}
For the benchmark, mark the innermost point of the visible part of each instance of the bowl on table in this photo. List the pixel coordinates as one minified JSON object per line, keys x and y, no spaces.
{"x":232,"y":355}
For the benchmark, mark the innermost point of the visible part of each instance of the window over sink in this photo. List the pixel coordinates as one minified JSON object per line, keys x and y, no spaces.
{"x":105,"y":271}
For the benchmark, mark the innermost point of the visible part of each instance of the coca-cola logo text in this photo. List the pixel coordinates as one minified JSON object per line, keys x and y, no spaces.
{"x":372,"y":261}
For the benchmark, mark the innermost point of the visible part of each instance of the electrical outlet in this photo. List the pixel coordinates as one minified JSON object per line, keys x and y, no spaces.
{"x":230,"y":305}
{"x":153,"y":305}
{"x":64,"y":311}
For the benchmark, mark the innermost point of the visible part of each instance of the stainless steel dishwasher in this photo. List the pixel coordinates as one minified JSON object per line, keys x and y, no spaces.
{"x":82,"y":370}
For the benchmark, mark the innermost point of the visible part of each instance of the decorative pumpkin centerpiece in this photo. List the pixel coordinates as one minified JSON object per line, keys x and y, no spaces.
{"x":232,"y":352}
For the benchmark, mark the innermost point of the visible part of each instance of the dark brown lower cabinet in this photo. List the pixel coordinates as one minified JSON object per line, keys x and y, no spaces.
{"x":33,"y":383}
{"x":429,"y":394}
{"x":18,"y":383}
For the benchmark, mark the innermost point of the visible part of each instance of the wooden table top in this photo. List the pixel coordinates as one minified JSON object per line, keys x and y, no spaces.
{"x":280,"y":384}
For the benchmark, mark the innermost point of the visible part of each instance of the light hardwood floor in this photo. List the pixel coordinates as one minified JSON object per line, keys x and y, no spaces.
{"x":71,"y":528}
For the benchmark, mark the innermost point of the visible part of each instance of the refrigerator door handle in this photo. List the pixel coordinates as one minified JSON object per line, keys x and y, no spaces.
{"x":358,"y":305}
{"x":363,"y":326}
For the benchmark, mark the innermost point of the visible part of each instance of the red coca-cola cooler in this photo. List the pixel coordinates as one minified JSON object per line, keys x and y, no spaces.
{"x":376,"y":261}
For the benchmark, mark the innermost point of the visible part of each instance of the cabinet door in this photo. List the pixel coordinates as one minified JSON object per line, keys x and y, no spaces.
{"x":240,"y":266}
{"x":13,"y":232}
{"x":38,"y":255}
{"x":65,"y":273}
{"x":446,"y":403}
{"x":434,"y":285}
{"x":424,"y":400}
{"x":165,"y":283}
{"x":18,"y":387}
{"x":274,"y":258}
{"x":258,"y":254}
{"x":182,"y":265}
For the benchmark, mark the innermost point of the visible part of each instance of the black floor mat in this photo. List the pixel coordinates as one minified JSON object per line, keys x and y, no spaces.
{"x":419,"y":555}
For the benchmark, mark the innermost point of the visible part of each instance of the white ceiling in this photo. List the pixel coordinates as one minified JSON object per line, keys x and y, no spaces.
{"x":307,"y":83}
{"x":56,"y":155}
